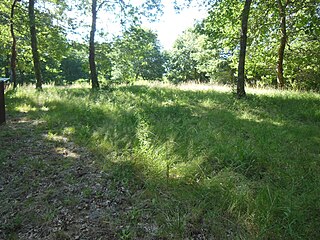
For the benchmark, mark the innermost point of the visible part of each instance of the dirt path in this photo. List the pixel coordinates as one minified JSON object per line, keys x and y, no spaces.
{"x":50,"y":187}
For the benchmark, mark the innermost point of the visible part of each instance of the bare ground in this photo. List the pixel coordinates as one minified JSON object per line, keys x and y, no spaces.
{"x":50,"y":188}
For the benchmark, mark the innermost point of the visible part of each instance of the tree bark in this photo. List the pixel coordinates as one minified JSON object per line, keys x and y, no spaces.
{"x":243,"y":48}
{"x":93,"y":68}
{"x":13,"y":62}
{"x":283,"y":42}
{"x":34,"y":45}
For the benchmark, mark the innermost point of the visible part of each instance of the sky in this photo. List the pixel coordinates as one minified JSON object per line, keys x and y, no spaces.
{"x":172,"y":24}
{"x":169,"y":26}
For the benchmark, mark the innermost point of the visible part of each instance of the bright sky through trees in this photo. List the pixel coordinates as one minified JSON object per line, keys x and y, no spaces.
{"x":170,"y":25}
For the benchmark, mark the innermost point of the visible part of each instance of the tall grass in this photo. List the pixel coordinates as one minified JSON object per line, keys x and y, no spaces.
{"x":197,"y":162}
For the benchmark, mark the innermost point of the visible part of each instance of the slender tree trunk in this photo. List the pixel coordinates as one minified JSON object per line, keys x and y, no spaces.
{"x":283,"y":42}
{"x":34,"y":45}
{"x":7,"y":68}
{"x":93,"y":68}
{"x":243,"y":48}
{"x":13,"y":63}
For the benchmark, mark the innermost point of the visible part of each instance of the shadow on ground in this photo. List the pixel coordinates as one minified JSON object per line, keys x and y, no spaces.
{"x":167,"y":164}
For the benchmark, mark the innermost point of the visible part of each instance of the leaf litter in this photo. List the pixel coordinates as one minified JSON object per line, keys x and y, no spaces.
{"x":50,"y":188}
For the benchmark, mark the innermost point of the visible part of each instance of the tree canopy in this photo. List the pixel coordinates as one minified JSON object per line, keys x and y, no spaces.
{"x":282,"y":49}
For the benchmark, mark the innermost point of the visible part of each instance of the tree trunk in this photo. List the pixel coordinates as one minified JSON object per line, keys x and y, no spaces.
{"x":93,"y":68}
{"x":283,"y":42}
{"x":34,"y":45}
{"x":243,"y":47}
{"x":13,"y":63}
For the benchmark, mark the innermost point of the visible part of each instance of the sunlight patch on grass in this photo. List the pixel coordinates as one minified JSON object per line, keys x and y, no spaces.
{"x":67,"y":152}
{"x":188,"y":86}
{"x":249,"y":116}
{"x":44,"y":109}
{"x":286,"y":94}
{"x":54,"y":137}
{"x":203,"y":87}
{"x":195,"y":155}
{"x":68,"y":131}
{"x":25,"y":108}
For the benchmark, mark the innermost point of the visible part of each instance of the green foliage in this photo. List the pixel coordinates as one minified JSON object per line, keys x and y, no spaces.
{"x":194,"y":57}
{"x":184,"y":58}
{"x":207,"y":52}
{"x":302,"y":51}
{"x":72,"y":69}
{"x":137,"y":55}
{"x":103,"y":58}
{"x":53,"y":44}
{"x":4,"y":38}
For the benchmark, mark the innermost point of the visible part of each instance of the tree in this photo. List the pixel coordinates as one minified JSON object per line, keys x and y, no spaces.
{"x":221,"y":28}
{"x":13,"y":63}
{"x":74,"y":64}
{"x":92,"y":62}
{"x":119,"y":7}
{"x":104,"y":61}
{"x":243,"y":46}
{"x":5,"y":39}
{"x":34,"y":45}
{"x":189,"y":60}
{"x":283,"y":42}
{"x":137,"y":54}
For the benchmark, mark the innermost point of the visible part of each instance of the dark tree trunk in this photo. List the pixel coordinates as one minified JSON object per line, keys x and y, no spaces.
{"x":243,"y":47}
{"x":283,"y":42}
{"x":34,"y":45}
{"x":93,"y":68}
{"x":13,"y":63}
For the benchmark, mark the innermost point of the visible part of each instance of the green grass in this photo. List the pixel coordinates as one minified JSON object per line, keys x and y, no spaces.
{"x":194,"y":163}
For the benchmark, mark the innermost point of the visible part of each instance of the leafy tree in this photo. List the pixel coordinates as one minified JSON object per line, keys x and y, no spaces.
{"x":187,"y":58}
{"x":104,"y":62}
{"x":268,"y":58}
{"x":5,"y":41}
{"x":137,"y":54}
{"x":283,"y":25}
{"x":74,"y":65}
{"x":34,"y":45}
{"x":93,"y":68}
{"x":243,"y":47}
{"x":271,"y":59}
{"x":221,"y":29}
{"x":52,"y":43}
{"x":123,"y":10}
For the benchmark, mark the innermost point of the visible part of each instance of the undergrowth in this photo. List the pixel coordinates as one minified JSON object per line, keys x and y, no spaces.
{"x":196,"y":163}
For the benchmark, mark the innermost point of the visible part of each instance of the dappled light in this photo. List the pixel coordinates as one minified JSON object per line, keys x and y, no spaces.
{"x":179,"y":159}
{"x":67,"y":150}
{"x":159,"y":119}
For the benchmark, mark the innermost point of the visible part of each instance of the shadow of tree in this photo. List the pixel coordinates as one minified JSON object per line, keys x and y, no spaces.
{"x":186,"y":155}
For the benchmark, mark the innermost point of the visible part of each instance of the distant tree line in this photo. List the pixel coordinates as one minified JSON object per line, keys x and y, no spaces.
{"x":35,"y":49}
{"x":263,"y":43}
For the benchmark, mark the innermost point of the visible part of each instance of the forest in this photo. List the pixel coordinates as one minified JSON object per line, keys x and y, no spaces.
{"x":280,"y":43}
{"x":112,"y":136}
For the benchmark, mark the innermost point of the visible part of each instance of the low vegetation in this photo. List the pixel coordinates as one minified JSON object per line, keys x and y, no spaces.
{"x":160,"y":162}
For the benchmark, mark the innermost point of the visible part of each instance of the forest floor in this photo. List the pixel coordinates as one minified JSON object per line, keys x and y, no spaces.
{"x":50,"y":187}
{"x":159,"y":162}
